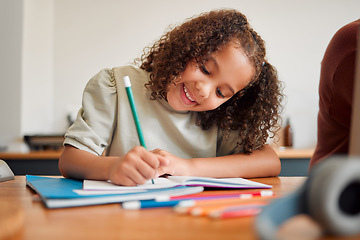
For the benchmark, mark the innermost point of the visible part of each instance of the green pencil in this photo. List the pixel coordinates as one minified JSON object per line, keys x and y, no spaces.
{"x":130,"y":95}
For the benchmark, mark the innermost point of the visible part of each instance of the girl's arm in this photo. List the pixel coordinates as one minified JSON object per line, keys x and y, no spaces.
{"x":136,"y":167}
{"x":260,"y":163}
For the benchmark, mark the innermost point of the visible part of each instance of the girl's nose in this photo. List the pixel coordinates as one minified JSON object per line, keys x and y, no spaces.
{"x":203,"y":88}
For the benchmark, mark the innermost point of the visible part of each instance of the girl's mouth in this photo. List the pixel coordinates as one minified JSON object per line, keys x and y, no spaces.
{"x":186,"y":96}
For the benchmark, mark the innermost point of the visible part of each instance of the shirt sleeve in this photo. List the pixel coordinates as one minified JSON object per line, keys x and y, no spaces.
{"x":228,"y":145}
{"x":95,"y":122}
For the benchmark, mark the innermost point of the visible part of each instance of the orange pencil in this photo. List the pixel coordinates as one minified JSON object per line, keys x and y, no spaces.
{"x":207,"y":210}
{"x":216,"y":202}
{"x":236,"y":212}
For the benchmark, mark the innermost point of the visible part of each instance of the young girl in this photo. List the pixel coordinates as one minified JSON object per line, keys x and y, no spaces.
{"x":207,"y":100}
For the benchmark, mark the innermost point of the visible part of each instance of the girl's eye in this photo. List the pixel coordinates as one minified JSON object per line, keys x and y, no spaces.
{"x":219,"y":93}
{"x":203,"y":68}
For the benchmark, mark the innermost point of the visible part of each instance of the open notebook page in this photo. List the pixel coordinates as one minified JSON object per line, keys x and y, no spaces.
{"x":173,"y":181}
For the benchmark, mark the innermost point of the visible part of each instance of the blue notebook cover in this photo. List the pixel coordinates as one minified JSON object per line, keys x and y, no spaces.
{"x":59,"y":192}
{"x":51,"y":187}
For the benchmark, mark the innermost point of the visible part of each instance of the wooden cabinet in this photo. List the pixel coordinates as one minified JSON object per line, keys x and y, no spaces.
{"x":294,"y":162}
{"x":34,"y":162}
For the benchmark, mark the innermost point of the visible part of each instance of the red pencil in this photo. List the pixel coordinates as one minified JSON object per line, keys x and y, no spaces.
{"x":227,"y":194}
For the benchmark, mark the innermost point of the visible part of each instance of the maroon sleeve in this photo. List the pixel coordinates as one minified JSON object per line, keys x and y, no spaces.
{"x":335,"y":93}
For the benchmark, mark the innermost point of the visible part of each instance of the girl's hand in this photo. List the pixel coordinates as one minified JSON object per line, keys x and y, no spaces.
{"x":136,"y":167}
{"x":176,"y":166}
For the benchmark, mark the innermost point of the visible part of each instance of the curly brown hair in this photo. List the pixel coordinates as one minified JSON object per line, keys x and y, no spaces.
{"x":255,"y":110}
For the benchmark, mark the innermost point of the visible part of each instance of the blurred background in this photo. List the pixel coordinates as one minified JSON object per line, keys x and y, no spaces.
{"x":49,"y":49}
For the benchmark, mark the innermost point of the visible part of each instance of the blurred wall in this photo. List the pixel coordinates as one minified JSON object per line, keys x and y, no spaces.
{"x":63,"y":43}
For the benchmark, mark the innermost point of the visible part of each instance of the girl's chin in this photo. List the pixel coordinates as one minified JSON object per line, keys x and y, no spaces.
{"x":180,"y":106}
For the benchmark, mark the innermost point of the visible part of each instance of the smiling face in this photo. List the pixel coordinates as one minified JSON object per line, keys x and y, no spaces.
{"x":205,"y":86}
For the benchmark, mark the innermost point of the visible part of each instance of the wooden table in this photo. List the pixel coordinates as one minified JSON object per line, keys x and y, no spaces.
{"x":32,"y":155}
{"x":112,"y":222}
{"x":294,"y":152}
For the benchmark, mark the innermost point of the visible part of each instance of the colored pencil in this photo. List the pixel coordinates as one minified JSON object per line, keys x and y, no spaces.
{"x":226,"y":194}
{"x":207,"y":210}
{"x":236,"y":212}
{"x":184,"y":203}
{"x":130,"y":95}
{"x":214,"y":203}
{"x":156,"y":204}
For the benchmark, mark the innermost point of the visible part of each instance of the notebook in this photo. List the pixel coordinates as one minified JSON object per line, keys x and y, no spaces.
{"x":61,"y":192}
{"x":170,"y":182}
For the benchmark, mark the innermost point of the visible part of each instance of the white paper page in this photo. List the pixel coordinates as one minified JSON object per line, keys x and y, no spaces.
{"x":172,"y":181}
{"x":159,"y":183}
{"x":218,"y":182}
{"x":105,"y":192}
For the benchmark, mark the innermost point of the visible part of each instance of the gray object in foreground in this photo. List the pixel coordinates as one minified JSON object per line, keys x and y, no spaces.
{"x":330,"y":196}
{"x":5,"y":172}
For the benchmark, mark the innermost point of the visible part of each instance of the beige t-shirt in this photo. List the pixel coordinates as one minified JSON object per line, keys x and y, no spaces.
{"x":105,"y":121}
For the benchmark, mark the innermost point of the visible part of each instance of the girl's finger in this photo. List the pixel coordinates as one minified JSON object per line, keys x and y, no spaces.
{"x":135,"y":176}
